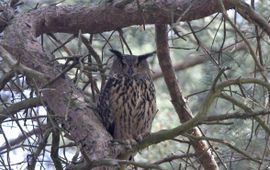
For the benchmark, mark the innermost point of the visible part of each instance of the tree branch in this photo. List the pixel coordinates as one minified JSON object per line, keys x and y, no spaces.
{"x":236,"y":115}
{"x":113,"y":163}
{"x":178,"y":101}
{"x":17,"y":66}
{"x":186,"y":63}
{"x":251,"y":15}
{"x":16,"y":107}
{"x":93,"y":19}
{"x":225,"y":143}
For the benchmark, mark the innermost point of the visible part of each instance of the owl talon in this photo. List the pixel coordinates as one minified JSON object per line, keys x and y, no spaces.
{"x":140,"y":137}
{"x":128,"y":146}
{"x":117,"y":142}
{"x":128,"y":143}
{"x":132,"y":142}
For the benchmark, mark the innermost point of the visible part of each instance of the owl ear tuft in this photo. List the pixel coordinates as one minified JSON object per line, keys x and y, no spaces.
{"x":117,"y":53}
{"x":145,"y":56}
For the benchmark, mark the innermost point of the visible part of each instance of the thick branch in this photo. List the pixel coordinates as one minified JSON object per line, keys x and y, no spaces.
{"x":66,"y":101}
{"x":178,"y":101}
{"x":107,"y":17}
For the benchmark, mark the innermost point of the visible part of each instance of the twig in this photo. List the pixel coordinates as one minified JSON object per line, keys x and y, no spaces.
{"x":15,"y":142}
{"x":33,"y":158}
{"x":247,"y":109}
{"x":236,"y":115}
{"x":14,"y":108}
{"x":182,"y":65}
{"x":55,"y":149}
{"x":226,"y":143}
{"x":172,"y":157}
{"x":121,"y":4}
{"x":241,"y":35}
{"x":251,"y":15}
{"x":6,"y":78}
{"x":20,"y":67}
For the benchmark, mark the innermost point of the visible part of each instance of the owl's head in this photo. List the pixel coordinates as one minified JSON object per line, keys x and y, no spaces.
{"x":130,"y":65}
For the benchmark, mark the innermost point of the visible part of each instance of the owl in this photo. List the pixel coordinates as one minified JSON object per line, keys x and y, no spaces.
{"x":127,"y":103}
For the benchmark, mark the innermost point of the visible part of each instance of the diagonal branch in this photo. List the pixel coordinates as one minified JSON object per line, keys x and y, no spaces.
{"x":16,"y":107}
{"x":186,"y":63}
{"x":17,"y":66}
{"x":178,"y":101}
{"x":251,"y":15}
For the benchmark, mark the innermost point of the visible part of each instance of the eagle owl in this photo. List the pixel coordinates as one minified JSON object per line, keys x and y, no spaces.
{"x":127,"y":103}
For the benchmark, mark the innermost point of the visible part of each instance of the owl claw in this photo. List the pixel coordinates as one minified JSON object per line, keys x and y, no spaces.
{"x":117,"y":142}
{"x":128,"y":143}
{"x":131,"y":142}
{"x":140,"y":137}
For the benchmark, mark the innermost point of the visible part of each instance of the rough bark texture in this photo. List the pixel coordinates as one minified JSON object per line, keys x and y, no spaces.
{"x":106,"y":17}
{"x":201,"y":148}
{"x":62,"y":97}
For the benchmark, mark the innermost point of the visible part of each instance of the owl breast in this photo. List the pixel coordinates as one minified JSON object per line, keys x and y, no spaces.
{"x":133,"y":107}
{"x":127,"y":104}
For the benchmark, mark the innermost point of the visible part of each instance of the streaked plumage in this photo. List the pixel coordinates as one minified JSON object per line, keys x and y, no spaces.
{"x":127,"y":103}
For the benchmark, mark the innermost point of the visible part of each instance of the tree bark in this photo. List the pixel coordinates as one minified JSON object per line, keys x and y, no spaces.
{"x":107,"y":17}
{"x":202,"y":150}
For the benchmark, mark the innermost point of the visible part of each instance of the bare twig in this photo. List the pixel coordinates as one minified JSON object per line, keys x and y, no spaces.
{"x":172,"y":157}
{"x":251,"y":15}
{"x":252,"y":53}
{"x":17,"y":66}
{"x":226,"y":143}
{"x":16,"y":107}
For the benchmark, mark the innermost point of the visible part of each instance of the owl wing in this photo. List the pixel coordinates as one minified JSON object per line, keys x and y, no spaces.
{"x":104,"y":106}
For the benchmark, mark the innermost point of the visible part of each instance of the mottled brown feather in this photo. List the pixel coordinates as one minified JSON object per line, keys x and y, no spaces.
{"x":127,"y":103}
